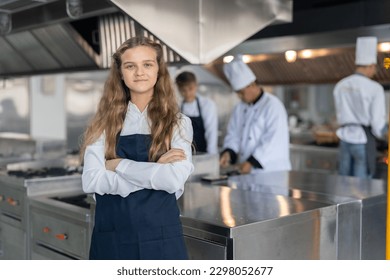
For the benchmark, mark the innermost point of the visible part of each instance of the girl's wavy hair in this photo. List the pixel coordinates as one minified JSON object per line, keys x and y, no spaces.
{"x":163,"y":111}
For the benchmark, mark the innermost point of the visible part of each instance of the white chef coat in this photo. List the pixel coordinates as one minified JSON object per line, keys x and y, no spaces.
{"x":260,"y":130}
{"x":130,"y":175}
{"x":210,"y":120}
{"x":359,"y":100}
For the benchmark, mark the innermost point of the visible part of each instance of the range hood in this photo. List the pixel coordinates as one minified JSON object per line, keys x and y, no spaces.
{"x":53,"y":48}
{"x":44,"y":39}
{"x":12,"y":6}
{"x":202,"y":30}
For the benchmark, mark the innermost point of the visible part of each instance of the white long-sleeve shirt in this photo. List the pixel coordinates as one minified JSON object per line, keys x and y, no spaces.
{"x":210,"y":120}
{"x":359,"y":100}
{"x":130,"y":175}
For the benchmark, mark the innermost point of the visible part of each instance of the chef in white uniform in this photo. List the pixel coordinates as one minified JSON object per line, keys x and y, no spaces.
{"x":257,"y":135}
{"x":360,"y":111}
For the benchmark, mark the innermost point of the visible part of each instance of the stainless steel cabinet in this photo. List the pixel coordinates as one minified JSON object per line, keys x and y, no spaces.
{"x":312,"y":158}
{"x":12,"y":242}
{"x":224,"y":223}
{"x":13,"y":238}
{"x":202,"y":249}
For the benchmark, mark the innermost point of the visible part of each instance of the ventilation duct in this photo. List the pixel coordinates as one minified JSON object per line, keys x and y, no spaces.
{"x":202,"y":30}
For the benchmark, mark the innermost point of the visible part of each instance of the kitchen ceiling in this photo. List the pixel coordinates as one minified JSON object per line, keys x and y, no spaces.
{"x":335,"y":64}
{"x":332,"y":25}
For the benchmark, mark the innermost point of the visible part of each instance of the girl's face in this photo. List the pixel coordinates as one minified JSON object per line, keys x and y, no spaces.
{"x":140,"y":69}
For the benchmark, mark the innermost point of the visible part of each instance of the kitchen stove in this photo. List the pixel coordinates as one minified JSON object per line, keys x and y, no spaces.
{"x":45,"y":172}
{"x":61,"y":226}
{"x":80,"y":200}
{"x":20,"y":182}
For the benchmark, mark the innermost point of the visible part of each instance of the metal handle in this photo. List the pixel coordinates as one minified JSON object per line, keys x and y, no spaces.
{"x":62,"y":236}
{"x":12,"y":201}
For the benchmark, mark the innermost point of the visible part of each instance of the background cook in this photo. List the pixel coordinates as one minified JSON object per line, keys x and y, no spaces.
{"x":257,"y":134}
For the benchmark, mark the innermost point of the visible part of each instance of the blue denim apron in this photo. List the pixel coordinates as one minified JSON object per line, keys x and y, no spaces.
{"x":144,"y":225}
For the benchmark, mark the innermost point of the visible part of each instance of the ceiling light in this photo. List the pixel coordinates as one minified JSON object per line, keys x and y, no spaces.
{"x":246,"y":58}
{"x":291,"y":56}
{"x":306,"y":54}
{"x":228,"y":58}
{"x":384,"y":47}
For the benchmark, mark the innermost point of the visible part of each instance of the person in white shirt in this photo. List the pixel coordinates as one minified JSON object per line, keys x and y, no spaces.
{"x":257,"y":134}
{"x":137,"y":157}
{"x":202,"y":111}
{"x":360,"y":112}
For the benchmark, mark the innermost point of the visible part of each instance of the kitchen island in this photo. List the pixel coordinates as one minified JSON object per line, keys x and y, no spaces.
{"x":222,"y":223}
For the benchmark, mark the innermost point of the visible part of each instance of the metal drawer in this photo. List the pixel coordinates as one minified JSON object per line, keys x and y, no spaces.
{"x":11,"y":201}
{"x":12,"y":243}
{"x":199,"y":249}
{"x":59,"y":233}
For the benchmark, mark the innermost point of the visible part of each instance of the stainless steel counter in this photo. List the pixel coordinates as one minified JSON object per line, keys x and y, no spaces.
{"x":15,"y":194}
{"x":222,"y":223}
{"x":59,"y":229}
{"x":361,"y":205}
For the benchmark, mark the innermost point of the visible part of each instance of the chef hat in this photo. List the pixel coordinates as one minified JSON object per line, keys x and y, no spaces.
{"x":238,"y":73}
{"x":366,"y":50}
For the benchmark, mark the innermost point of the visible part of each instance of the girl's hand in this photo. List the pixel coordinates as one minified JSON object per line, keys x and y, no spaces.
{"x":111,"y":164}
{"x":173,"y":155}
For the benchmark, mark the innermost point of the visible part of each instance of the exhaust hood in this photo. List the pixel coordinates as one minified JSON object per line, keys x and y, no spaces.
{"x":61,"y":48}
{"x":202,"y":30}
{"x":52,"y":48}
{"x":12,"y":6}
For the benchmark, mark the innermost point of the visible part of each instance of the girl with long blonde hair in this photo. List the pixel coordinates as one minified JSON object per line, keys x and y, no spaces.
{"x":137,"y":157}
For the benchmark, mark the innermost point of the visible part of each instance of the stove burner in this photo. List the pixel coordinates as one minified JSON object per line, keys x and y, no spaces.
{"x":78,"y":200}
{"x":44,"y":172}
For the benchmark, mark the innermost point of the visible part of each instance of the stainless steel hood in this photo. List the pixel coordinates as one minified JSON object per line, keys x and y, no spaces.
{"x":11,"y":6}
{"x":201,"y":31}
{"x":44,"y":38}
{"x":56,"y":47}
